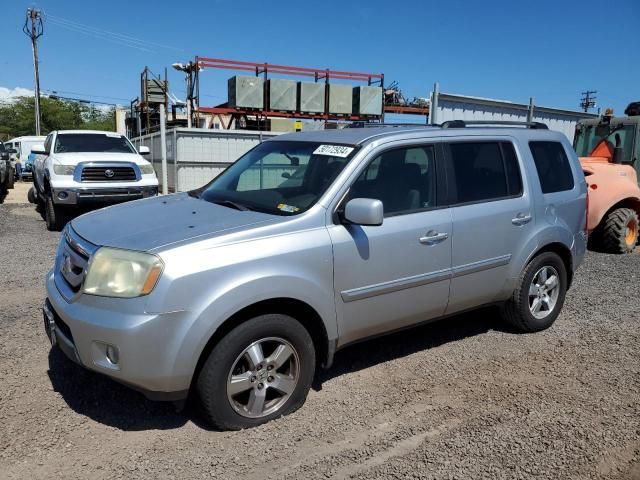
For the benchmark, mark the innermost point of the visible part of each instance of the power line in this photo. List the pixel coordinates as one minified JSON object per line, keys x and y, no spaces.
{"x":34,"y":29}
{"x":588,"y":100}
{"x":114,"y":37}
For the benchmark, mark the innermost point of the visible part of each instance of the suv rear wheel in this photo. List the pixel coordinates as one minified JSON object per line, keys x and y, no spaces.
{"x":620,"y":231}
{"x":538,"y":299}
{"x":260,"y":370}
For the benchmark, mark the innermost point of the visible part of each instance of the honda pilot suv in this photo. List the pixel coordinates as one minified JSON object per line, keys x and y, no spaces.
{"x":237,"y":291}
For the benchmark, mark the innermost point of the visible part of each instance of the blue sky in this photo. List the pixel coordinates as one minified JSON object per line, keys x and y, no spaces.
{"x":551,"y":50}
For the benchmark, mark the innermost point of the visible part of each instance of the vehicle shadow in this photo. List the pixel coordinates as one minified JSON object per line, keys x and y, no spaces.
{"x":382,"y":349}
{"x":108,"y":402}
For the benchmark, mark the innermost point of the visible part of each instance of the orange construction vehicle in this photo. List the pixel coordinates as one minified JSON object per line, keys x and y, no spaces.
{"x":609,"y":148}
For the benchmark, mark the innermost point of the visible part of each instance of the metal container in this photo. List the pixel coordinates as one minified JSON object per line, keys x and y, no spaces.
{"x":367,"y":100}
{"x":246,"y":92}
{"x":340,"y":99}
{"x":282,"y":95}
{"x":311,"y":97}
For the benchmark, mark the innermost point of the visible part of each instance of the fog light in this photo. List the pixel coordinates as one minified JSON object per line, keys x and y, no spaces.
{"x":62,"y":195}
{"x":112,"y":354}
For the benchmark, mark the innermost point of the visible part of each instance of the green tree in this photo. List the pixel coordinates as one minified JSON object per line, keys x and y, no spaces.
{"x":17,"y":118}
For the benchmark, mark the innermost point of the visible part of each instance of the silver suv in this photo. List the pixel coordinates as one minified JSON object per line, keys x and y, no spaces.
{"x":236,"y":291}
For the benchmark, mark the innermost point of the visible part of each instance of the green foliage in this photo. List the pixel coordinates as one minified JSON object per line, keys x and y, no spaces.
{"x":18,"y":118}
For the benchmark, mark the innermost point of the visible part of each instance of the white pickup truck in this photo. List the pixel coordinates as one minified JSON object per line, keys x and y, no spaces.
{"x":83,"y":169}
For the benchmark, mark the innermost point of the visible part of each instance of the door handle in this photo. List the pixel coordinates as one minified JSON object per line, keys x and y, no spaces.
{"x":521,"y":219}
{"x":432,"y":237}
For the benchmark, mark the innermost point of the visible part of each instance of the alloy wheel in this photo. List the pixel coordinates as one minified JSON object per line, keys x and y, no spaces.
{"x":263,"y":377}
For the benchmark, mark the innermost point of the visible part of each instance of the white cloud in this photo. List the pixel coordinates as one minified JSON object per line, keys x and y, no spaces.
{"x":10,"y":94}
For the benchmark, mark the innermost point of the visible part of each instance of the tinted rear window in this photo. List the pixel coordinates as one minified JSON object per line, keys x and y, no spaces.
{"x":483,"y":171}
{"x":553,"y":166}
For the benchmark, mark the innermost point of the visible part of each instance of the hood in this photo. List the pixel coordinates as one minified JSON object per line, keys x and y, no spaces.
{"x":157,"y":222}
{"x":77,"y":157}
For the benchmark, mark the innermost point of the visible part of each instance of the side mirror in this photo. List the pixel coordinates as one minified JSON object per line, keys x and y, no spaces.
{"x":143,"y":150}
{"x":364,"y":211}
{"x":38,"y":148}
{"x":286,"y":175}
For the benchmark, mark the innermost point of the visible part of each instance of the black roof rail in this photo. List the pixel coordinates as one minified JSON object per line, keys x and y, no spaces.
{"x":465,"y":123}
{"x":378,"y":125}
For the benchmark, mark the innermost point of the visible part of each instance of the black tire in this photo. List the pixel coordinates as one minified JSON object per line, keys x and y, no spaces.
{"x":54,"y":216}
{"x":516,"y":311}
{"x":211,"y":384}
{"x":31,"y":195}
{"x":11,"y":178}
{"x":620,"y":231}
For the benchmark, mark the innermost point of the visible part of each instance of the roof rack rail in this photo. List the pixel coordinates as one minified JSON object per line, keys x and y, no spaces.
{"x":465,"y":123}
{"x":377,"y":125}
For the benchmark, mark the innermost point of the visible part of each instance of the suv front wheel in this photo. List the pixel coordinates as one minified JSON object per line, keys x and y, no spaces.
{"x":260,"y":370}
{"x":538,"y":299}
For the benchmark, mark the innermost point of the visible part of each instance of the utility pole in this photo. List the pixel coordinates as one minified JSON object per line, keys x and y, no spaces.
{"x":34,"y":29}
{"x":588,"y":100}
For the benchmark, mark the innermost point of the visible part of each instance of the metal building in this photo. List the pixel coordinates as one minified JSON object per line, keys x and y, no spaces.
{"x":446,"y":106}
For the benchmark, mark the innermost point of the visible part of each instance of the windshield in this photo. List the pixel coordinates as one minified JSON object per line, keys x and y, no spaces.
{"x":92,"y":142}
{"x":278,"y":177}
{"x":587,"y":139}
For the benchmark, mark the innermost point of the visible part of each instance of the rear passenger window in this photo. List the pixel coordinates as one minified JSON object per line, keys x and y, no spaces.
{"x":553,"y":166}
{"x":483,"y":172}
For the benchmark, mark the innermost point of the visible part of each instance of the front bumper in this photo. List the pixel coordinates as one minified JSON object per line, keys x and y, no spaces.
{"x":111,"y":195}
{"x":147,"y":345}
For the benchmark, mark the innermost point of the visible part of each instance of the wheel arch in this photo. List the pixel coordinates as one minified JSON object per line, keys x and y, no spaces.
{"x":295,"y":308}
{"x":563,"y":252}
{"x":631,"y":202}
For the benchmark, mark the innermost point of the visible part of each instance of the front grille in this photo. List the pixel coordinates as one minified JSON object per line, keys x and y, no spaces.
{"x":108,"y":174}
{"x":60,"y":324}
{"x":71,"y":262}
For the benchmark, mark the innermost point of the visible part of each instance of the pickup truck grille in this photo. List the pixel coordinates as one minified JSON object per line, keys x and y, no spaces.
{"x":108,"y":174}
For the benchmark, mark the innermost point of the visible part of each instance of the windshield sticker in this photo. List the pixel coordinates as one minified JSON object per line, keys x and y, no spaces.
{"x":333,"y":150}
{"x":113,"y":135}
{"x":287,"y":208}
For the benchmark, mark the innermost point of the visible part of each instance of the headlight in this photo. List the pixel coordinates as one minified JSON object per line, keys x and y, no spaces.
{"x":63,"y":169}
{"x":122,"y":273}
{"x":146,"y":169}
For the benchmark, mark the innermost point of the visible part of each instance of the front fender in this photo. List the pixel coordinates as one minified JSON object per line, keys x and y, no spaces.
{"x":236,"y":296}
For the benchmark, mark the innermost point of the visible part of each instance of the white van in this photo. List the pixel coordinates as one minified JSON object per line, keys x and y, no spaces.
{"x":23,"y":152}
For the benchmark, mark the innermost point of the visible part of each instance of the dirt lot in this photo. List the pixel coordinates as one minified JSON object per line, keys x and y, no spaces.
{"x":463,"y":398}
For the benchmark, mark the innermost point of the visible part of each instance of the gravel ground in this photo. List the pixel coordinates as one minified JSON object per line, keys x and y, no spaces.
{"x":463,"y":398}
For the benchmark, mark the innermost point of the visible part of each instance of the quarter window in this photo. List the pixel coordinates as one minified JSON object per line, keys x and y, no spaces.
{"x":404,"y":180}
{"x":552,"y":165}
{"x":483,"y":171}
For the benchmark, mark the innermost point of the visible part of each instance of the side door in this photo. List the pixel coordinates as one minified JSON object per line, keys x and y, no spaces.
{"x":493,"y":219}
{"x":396,"y":274}
{"x":39,"y":162}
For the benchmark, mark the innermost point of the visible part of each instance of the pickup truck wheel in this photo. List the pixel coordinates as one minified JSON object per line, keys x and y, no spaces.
{"x":260,"y":370}
{"x":620,"y":231}
{"x":538,"y":299}
{"x":54,"y":216}
{"x":31,"y":195}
